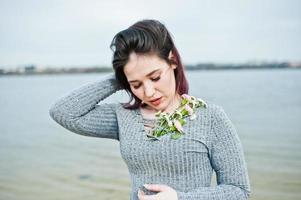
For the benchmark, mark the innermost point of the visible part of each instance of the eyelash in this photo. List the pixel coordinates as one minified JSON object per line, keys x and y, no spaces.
{"x":154,"y":79}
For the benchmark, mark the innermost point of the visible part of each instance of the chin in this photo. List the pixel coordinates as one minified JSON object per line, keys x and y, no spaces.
{"x":162,"y":107}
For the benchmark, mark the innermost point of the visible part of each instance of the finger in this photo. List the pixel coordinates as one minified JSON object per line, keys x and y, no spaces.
{"x":156,"y":187}
{"x":140,"y":194}
{"x":148,"y":197}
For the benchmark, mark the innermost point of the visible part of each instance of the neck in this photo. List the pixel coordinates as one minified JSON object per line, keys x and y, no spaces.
{"x":176,"y":102}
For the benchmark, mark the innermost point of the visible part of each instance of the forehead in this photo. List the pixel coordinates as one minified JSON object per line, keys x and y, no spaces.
{"x":139,"y":65}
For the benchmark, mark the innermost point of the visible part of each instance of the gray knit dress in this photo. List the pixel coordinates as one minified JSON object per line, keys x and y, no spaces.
{"x":210,"y":143}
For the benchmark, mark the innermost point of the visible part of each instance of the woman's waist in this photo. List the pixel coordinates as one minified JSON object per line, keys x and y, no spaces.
{"x":183,"y":182}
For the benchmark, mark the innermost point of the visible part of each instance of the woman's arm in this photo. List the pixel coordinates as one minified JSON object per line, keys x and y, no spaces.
{"x":79,"y":112}
{"x":228,"y":161}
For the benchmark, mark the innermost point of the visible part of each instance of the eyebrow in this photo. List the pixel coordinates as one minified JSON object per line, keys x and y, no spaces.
{"x":149,"y":74}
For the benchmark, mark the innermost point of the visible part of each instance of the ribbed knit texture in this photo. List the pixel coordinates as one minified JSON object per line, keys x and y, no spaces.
{"x":210,"y":143}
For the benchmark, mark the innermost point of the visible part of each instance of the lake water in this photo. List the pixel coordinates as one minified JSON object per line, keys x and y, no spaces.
{"x":41,"y":160}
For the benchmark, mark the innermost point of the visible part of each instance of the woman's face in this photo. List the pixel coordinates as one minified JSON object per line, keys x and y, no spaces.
{"x":150,"y":78}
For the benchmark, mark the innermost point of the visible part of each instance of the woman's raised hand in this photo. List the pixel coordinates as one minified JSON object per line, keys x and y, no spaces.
{"x":164,"y":192}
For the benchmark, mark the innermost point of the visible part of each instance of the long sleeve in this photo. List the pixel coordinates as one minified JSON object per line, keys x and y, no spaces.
{"x":80,"y":113}
{"x":227,"y":159}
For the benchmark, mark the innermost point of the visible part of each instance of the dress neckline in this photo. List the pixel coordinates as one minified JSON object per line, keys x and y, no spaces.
{"x":141,"y":121}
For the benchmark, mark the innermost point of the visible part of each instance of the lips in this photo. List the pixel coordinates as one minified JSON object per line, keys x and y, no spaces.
{"x":155,"y":99}
{"x":156,"y":102}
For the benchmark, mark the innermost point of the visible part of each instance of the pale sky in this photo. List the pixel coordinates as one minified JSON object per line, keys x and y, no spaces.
{"x":74,"y":32}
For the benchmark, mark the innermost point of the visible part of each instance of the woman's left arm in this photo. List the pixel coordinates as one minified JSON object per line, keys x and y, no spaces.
{"x":227,"y":159}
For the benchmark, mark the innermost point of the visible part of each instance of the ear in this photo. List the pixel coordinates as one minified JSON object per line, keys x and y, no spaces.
{"x":171,"y":57}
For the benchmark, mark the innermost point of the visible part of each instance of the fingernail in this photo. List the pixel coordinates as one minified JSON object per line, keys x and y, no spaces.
{"x":146,"y":185}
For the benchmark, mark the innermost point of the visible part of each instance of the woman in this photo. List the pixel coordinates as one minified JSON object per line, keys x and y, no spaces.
{"x":170,"y":141}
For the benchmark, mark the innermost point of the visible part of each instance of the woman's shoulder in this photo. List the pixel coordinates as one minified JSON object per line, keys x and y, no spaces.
{"x":214,"y":111}
{"x":210,"y":105}
{"x":217,"y":112}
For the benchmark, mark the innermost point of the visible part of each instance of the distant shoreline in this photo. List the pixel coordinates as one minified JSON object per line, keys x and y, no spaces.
{"x":36,"y":70}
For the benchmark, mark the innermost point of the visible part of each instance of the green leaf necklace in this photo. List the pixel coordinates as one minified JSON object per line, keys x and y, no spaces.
{"x":173,"y":123}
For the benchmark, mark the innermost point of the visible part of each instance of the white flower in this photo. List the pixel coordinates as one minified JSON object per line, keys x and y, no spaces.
{"x":178,"y":125}
{"x":179,"y":113}
{"x":186,"y":96}
{"x":169,"y":122}
{"x":202,"y":101}
{"x":189,"y":109}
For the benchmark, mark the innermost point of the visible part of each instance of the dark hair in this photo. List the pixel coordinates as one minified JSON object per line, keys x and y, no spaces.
{"x":145,"y":37}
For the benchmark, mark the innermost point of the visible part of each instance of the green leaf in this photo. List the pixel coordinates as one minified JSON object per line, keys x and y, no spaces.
{"x":182,"y":121}
{"x":185,"y":112}
{"x":176,"y":135}
{"x":173,"y":128}
{"x":184,"y":101}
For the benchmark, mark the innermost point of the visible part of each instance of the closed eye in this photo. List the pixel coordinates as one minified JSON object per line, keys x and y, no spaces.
{"x":153,"y":79}
{"x":156,"y":79}
{"x":136,"y":87}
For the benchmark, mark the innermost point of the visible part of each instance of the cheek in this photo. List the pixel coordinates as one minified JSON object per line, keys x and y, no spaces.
{"x":138,"y":93}
{"x":168,"y":83}
{"x":165,"y":80}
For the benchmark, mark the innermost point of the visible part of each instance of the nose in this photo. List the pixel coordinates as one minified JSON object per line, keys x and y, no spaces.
{"x":149,"y":90}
